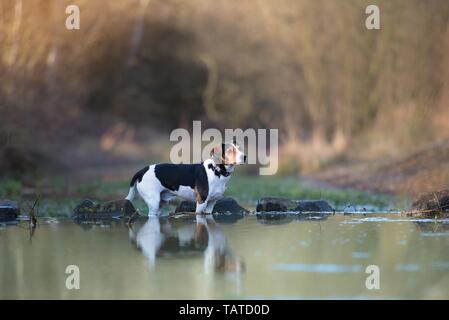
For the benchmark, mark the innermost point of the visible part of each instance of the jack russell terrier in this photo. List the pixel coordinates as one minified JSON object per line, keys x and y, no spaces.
{"x":203,"y":183}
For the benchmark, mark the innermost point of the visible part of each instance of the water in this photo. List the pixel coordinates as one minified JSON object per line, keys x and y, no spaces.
{"x":208,"y":259}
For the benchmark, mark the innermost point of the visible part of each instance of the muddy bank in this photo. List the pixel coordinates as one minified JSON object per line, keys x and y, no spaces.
{"x":425,"y":170}
{"x":432,"y":205}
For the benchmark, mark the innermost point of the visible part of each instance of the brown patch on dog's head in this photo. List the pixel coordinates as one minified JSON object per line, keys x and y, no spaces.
{"x":225,"y":153}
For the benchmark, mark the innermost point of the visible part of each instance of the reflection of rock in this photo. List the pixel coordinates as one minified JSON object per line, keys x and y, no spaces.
{"x":101,"y":223}
{"x":269,"y":204}
{"x":287,"y":217}
{"x":431,"y":205}
{"x":9,"y":210}
{"x":228,"y":217}
{"x":275,"y":217}
{"x":224,"y":205}
{"x":88,"y":210}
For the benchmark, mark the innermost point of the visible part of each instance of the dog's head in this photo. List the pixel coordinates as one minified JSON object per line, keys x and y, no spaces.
{"x":228,"y":154}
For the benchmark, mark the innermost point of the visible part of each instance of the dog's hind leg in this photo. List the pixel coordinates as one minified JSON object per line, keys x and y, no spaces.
{"x":150,"y":190}
{"x":151,"y":194}
{"x":153,"y":201}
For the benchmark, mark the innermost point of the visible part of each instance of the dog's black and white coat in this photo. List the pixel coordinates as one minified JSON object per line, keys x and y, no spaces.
{"x":203,"y":183}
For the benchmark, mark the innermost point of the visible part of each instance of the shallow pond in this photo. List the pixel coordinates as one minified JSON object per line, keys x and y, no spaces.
{"x":203,"y":258}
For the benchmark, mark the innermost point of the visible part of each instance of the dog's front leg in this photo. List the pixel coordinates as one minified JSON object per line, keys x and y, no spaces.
{"x":201,"y":207}
{"x":210,"y":207}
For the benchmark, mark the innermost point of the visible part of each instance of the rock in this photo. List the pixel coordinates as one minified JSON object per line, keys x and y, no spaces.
{"x":226,"y":210}
{"x":9,"y":211}
{"x":273,"y":204}
{"x":89,"y":210}
{"x":224,"y":205}
{"x":186,"y":206}
{"x":228,"y":204}
{"x":313,"y":206}
{"x":272,"y":210}
{"x":268,"y":204}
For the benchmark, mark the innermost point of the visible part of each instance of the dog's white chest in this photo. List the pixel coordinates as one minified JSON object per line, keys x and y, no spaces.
{"x":217,"y":189}
{"x":217,"y":185}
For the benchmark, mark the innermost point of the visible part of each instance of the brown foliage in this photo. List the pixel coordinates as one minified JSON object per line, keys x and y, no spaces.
{"x":309,"y":68}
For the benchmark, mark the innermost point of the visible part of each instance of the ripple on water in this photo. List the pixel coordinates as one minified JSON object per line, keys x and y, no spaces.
{"x":360,"y":255}
{"x":440,"y":264}
{"x":304,"y":243}
{"x":408,"y":267}
{"x":386,"y":219}
{"x":317,"y":268}
{"x":435,"y":234}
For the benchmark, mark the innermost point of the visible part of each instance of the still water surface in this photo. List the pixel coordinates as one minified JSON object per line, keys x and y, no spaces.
{"x":203,"y":258}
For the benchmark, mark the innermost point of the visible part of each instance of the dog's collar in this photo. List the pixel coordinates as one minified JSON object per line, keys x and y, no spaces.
{"x":219,"y":170}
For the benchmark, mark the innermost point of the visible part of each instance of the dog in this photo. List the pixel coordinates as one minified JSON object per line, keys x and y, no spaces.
{"x":203,"y":183}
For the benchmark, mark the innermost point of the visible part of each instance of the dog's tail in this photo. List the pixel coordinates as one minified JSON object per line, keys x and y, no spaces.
{"x":133,"y":184}
{"x":131,"y":193}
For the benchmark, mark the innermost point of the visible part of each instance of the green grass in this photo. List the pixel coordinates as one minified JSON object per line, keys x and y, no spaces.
{"x":246,"y":189}
{"x":10,"y":188}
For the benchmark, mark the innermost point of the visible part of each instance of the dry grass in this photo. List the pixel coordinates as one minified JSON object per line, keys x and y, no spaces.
{"x":425,"y":170}
{"x":138,"y":69}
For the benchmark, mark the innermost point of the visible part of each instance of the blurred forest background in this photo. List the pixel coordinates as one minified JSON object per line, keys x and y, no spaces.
{"x":350,"y":103}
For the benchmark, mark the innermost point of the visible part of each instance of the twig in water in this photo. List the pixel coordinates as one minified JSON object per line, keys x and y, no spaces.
{"x":32,"y":222}
{"x":132,"y":217}
{"x":438,"y":201}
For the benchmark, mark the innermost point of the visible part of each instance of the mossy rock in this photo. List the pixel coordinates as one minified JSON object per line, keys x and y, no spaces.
{"x":9,"y":211}
{"x":275,"y":204}
{"x":226,"y":210}
{"x":89,"y":210}
{"x":224,"y":205}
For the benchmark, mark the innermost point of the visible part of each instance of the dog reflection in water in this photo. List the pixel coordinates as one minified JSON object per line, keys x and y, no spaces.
{"x":162,"y":237}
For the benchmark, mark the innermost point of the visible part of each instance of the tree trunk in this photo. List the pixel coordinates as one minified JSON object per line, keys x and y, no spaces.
{"x":18,"y":9}
{"x":138,"y":31}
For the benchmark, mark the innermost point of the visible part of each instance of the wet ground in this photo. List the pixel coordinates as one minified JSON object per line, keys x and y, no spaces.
{"x":205,"y":258}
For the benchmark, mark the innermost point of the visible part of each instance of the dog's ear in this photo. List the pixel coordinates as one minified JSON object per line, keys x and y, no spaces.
{"x":213,"y":151}
{"x":216,"y":153}
{"x":234,"y":142}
